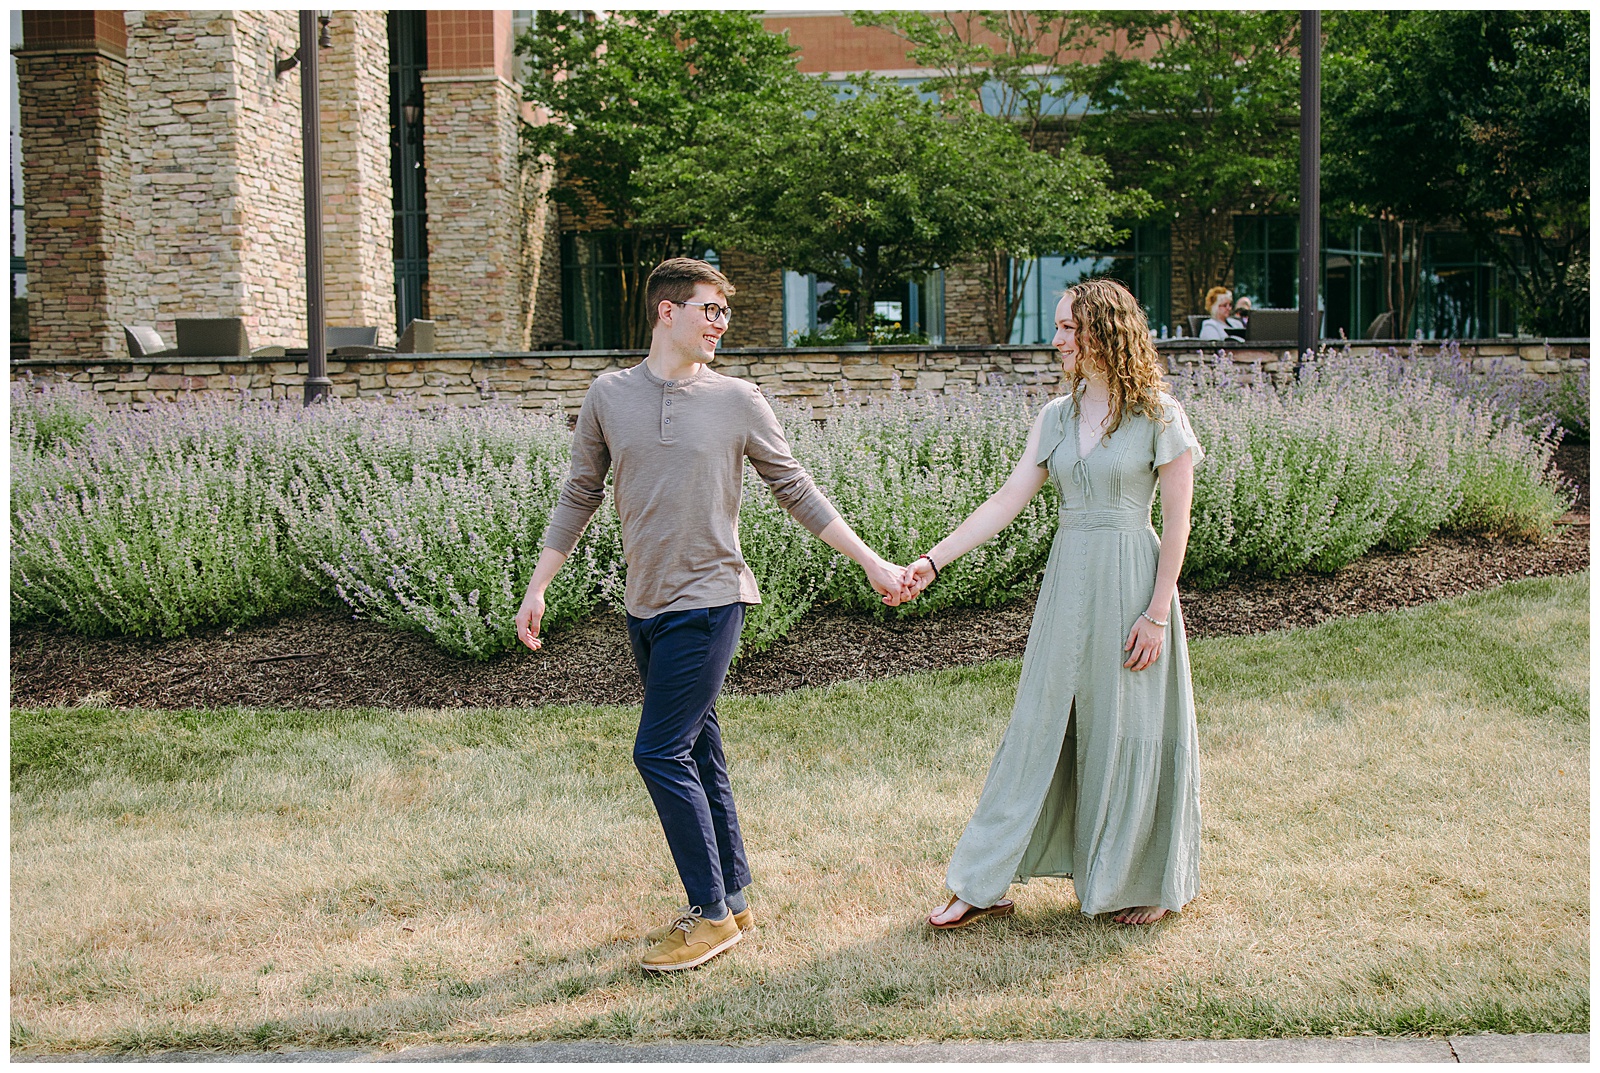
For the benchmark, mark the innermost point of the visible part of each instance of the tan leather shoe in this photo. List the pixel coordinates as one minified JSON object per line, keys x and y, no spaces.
{"x":690,"y":942}
{"x":746,"y":920}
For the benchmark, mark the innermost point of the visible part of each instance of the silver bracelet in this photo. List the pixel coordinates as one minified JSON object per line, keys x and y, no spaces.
{"x":1146,"y":615}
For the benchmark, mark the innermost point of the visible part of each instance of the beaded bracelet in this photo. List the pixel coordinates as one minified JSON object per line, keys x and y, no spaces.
{"x":1143,"y":614}
{"x":931,"y":563}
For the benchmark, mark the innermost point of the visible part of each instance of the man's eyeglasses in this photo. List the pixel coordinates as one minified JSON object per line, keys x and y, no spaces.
{"x":714,"y":312}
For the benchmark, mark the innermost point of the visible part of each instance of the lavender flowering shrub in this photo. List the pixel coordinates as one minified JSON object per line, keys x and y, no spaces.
{"x":205,"y":512}
{"x":907,"y":469}
{"x":124,"y":524}
{"x":448,"y":549}
{"x":1356,"y":453}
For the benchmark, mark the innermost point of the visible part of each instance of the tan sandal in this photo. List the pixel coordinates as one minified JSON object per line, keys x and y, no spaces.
{"x":1002,"y":908}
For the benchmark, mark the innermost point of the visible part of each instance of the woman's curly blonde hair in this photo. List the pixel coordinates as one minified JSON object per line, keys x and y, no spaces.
{"x":1114,"y":335}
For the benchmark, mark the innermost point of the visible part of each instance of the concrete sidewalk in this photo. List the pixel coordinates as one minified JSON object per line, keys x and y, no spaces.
{"x":1486,"y":1048}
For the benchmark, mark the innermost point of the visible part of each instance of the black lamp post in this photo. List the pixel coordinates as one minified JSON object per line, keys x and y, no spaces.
{"x":313,"y":34}
{"x":1310,"y":175}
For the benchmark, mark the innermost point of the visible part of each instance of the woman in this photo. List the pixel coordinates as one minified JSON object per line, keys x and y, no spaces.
{"x":1097,"y":776}
{"x":1218,"y":323}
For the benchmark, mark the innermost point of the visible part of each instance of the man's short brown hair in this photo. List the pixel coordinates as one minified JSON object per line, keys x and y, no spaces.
{"x":674,"y":281}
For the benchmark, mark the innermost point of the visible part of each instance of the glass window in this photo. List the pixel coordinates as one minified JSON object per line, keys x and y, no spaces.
{"x":1352,"y":279}
{"x":813,"y":306}
{"x":1143,"y":264}
{"x":1463,"y":291}
{"x":408,"y":57}
{"x":1266,"y":264}
{"x":592,"y":265}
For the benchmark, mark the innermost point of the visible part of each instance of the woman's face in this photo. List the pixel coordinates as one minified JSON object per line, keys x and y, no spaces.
{"x":1224,"y":307}
{"x":1066,"y":340}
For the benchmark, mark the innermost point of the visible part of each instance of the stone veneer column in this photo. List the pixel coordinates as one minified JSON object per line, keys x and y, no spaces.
{"x":358,"y":203}
{"x":470,"y":150}
{"x":966,"y":301}
{"x":216,"y":181}
{"x":758,"y":307}
{"x":541,"y":256}
{"x":72,"y":105}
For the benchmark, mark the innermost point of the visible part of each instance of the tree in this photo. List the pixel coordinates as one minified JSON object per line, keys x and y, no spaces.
{"x":1003,"y":63}
{"x":868,"y":189}
{"x":1199,"y":108}
{"x":632,"y":87}
{"x":1007,"y":64}
{"x":1480,"y":118}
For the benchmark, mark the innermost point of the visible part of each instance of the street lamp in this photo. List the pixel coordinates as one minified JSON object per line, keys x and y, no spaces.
{"x":1310,"y":176}
{"x":313,"y":36}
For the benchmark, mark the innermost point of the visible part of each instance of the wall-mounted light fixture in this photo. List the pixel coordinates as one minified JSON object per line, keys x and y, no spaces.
{"x":288,"y":63}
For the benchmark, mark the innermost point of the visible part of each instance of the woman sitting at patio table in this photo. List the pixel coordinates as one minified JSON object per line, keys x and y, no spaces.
{"x":1219,"y":323}
{"x":1097,"y":777}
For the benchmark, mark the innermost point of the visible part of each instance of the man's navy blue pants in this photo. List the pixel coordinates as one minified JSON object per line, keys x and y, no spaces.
{"x":683,"y":658}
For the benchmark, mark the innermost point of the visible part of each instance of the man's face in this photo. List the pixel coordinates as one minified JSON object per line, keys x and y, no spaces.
{"x":688,"y":331}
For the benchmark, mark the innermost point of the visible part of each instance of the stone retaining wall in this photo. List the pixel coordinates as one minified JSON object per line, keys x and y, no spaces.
{"x":803,"y":374}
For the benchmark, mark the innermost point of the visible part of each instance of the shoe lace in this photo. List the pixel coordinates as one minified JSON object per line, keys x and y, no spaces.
{"x":688,"y":917}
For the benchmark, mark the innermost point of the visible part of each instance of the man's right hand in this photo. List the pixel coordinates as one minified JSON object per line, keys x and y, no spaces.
{"x":529,"y":615}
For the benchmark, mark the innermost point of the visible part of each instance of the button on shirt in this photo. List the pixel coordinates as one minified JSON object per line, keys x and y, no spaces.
{"x":677,"y":448}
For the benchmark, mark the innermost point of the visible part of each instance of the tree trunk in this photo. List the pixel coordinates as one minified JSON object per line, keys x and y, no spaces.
{"x":1000,"y":308}
{"x":643,"y":250}
{"x":1401,"y":243}
{"x":869,"y":287}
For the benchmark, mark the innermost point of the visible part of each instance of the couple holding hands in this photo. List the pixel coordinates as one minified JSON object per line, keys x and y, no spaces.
{"x":1097,"y":777}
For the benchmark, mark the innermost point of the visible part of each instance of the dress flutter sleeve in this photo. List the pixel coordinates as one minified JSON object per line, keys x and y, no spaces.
{"x":1175,"y":435}
{"x":1052,"y":430}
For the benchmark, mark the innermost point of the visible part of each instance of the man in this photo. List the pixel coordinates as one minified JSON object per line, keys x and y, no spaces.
{"x":677,"y":435}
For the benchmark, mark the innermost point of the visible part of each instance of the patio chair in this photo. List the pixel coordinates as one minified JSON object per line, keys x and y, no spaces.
{"x":417,"y":338}
{"x":146,"y":342}
{"x":1276,"y":325}
{"x":1382,"y":326}
{"x":354,"y":342}
{"x":219,"y":337}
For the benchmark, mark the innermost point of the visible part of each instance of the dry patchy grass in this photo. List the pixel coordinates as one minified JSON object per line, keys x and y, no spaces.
{"x":1396,"y":831}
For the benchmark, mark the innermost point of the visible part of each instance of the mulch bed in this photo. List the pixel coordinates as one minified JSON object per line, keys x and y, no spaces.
{"x":326,"y":660}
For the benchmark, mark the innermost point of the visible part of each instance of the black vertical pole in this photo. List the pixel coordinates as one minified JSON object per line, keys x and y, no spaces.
{"x":1310,"y":175}
{"x":317,"y":382}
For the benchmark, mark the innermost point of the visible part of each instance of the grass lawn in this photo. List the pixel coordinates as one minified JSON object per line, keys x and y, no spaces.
{"x":1396,"y":816}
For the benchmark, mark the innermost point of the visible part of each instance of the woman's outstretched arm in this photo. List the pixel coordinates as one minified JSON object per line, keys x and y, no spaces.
{"x":993,"y":515}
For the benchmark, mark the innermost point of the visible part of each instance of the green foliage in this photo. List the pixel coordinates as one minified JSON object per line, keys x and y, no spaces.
{"x":1480,"y":118}
{"x":635,"y":87}
{"x":1018,"y":80}
{"x":869,"y":188}
{"x":1200,"y":109}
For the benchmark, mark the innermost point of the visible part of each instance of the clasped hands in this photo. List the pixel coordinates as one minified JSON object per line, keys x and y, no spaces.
{"x":899,"y":584}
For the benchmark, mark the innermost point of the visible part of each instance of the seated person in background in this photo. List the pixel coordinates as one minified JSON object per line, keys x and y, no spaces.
{"x":1218,"y":324}
{"x":1241,"y":309}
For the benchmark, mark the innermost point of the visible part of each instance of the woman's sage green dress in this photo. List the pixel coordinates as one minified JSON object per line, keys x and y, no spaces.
{"x":1097,"y":777}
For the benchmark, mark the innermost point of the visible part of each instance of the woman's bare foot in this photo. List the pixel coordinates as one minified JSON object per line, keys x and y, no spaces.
{"x":1140,"y":914}
{"x":953,"y":911}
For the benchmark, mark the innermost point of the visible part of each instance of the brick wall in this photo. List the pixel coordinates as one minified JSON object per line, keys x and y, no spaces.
{"x":804,"y":375}
{"x":72,"y":104}
{"x":357,"y":205}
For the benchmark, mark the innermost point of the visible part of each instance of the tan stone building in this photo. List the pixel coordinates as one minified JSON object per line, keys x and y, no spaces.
{"x":162,"y":178}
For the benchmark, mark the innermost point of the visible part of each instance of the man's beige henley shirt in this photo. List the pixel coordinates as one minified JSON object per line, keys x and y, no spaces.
{"x":678,"y":448}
